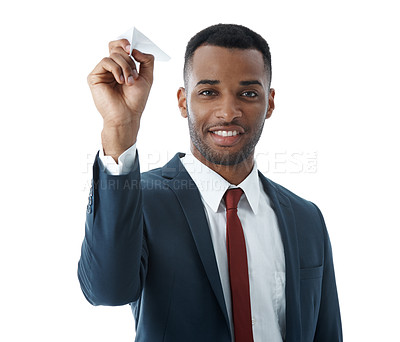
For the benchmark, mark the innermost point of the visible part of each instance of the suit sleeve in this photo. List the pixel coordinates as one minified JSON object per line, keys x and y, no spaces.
{"x":126,"y":161}
{"x":329,"y":326}
{"x":113,"y":261}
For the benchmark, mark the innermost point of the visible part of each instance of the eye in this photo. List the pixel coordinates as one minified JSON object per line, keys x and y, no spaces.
{"x":250,"y":93}
{"x":207,"y":93}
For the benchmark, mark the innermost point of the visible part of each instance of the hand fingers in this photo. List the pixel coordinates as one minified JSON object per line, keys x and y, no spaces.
{"x":119,"y":44}
{"x":146,"y":64}
{"x":105,"y":71}
{"x":146,"y":60}
{"x":127,"y":65}
{"x":122,"y":47}
{"x":121,"y":65}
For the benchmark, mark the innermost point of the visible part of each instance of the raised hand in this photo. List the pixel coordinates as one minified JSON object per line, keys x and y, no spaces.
{"x":120,"y":94}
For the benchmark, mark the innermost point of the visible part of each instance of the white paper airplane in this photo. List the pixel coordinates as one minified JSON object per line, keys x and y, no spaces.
{"x":140,"y":42}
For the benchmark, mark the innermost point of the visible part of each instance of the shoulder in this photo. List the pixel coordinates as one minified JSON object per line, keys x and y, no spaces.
{"x":286,"y":196}
{"x":153,"y":180}
{"x":306,"y":214}
{"x":303,"y":218}
{"x":167,"y":180}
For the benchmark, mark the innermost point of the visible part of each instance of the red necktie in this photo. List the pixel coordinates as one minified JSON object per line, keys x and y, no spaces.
{"x":238,"y":270}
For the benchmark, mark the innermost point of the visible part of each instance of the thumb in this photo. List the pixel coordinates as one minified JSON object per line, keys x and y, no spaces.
{"x":146,"y":64}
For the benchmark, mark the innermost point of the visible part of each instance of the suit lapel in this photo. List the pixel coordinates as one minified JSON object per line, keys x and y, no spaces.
{"x":189,"y":198}
{"x":287,"y":226}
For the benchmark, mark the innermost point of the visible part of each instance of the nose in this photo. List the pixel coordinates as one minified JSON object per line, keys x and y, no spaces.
{"x":229,"y":108}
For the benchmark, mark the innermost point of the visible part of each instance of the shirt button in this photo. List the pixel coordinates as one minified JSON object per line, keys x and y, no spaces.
{"x":253,"y":321}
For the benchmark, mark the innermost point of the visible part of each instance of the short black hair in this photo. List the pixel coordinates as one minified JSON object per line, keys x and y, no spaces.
{"x":228,"y":36}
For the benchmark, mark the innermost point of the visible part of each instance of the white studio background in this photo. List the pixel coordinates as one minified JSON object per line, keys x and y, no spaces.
{"x":332,"y":139}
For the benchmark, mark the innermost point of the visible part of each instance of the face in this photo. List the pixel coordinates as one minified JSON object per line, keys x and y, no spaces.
{"x":226,"y":100}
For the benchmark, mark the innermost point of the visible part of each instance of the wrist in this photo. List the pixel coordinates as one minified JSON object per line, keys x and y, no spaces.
{"x":118,"y":138}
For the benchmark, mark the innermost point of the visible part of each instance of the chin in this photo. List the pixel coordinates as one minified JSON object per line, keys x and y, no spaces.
{"x":225,"y":158}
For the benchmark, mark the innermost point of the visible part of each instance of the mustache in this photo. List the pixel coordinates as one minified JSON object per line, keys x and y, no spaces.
{"x":227,"y":124}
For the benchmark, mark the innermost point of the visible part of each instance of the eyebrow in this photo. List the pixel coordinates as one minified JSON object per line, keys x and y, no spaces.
{"x":247,"y":83}
{"x":210,"y":82}
{"x":242,"y":83}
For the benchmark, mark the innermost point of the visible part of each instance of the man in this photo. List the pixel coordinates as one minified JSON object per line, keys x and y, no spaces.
{"x":205,"y":248}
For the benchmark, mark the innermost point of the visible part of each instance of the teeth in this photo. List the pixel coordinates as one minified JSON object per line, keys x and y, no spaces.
{"x":226,"y":133}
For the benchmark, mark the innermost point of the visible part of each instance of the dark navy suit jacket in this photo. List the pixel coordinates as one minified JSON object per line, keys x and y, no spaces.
{"x":147,"y":243}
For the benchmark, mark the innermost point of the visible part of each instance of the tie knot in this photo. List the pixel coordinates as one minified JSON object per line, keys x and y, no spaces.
{"x":232,"y":197}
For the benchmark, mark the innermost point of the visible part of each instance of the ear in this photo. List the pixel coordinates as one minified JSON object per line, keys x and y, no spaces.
{"x":182,"y":101}
{"x":271,"y":103}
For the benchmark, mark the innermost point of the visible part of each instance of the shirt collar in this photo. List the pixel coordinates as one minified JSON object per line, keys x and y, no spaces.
{"x":212,"y":186}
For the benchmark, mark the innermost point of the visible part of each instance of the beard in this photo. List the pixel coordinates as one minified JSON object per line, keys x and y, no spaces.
{"x":223,"y":157}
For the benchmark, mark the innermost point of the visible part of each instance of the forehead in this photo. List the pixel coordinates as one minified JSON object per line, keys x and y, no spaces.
{"x":219,"y":63}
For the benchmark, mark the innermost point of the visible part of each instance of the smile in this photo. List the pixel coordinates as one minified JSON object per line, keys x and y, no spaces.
{"x":226,"y":138}
{"x":226,"y":133}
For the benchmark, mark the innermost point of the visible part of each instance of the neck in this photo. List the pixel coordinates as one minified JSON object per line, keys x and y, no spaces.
{"x":234,"y":174}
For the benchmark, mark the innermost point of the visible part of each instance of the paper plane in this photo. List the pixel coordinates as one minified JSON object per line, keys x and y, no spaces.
{"x":140,"y":42}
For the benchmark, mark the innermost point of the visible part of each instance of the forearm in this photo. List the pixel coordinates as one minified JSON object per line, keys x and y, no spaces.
{"x":113,"y":260}
{"x":117,"y":138}
{"x":329,"y":326}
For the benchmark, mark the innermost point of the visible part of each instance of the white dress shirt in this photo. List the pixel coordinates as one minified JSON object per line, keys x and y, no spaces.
{"x":265,"y":254}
